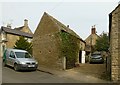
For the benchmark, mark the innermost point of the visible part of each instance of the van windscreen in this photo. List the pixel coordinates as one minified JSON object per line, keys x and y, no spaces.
{"x":23,"y":55}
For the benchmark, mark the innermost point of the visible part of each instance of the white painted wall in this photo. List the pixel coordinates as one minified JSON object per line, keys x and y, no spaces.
{"x":83,"y":57}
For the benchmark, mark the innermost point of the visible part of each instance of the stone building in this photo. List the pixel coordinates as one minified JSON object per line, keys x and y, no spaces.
{"x":9,"y":36}
{"x":50,"y":44}
{"x":114,"y":31}
{"x":91,"y":40}
{"x":25,"y":28}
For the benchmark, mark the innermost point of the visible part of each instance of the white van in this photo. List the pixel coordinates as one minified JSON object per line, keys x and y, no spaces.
{"x":19,"y":59}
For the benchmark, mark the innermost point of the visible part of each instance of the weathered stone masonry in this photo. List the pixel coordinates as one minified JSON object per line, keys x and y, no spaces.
{"x":51,"y":47}
{"x":114,"y":18}
{"x":9,"y":36}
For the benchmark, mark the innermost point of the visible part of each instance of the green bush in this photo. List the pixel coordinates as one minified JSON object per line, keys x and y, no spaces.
{"x":23,"y":44}
{"x":69,"y":48}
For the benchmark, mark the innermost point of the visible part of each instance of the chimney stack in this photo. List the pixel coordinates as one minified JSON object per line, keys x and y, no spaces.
{"x":9,"y":26}
{"x":25,"y":22}
{"x":68,"y":26}
{"x":93,"y":30}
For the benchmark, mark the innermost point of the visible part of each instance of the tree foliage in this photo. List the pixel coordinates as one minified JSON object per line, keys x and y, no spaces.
{"x":23,"y":44}
{"x":102,"y":44}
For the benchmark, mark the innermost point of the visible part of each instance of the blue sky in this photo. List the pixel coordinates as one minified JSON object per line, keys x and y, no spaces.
{"x":80,"y":15}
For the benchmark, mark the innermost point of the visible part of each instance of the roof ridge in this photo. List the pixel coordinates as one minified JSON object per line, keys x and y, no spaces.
{"x":16,"y":32}
{"x":51,"y":18}
{"x":19,"y":27}
{"x":65,"y":28}
{"x":91,"y":36}
{"x":115,"y":8}
{"x":54,"y":19}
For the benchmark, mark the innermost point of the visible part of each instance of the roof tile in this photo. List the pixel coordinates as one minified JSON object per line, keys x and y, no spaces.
{"x":16,"y":32}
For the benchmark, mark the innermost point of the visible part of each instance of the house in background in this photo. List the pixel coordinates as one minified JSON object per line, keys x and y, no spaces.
{"x":91,"y":40}
{"x":25,"y":28}
{"x":55,"y":45}
{"x":9,"y":36}
{"x":114,"y":33}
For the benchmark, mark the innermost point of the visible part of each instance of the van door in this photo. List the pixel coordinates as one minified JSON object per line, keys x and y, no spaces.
{"x":7,"y":54}
{"x":11,"y":58}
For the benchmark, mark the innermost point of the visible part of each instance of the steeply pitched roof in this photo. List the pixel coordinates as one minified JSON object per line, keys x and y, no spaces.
{"x":16,"y":32}
{"x":91,"y":35}
{"x":110,"y":19}
{"x":63,"y":27}
{"x":115,"y":8}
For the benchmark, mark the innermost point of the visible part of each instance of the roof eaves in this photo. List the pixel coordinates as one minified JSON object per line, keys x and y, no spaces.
{"x":16,"y":32}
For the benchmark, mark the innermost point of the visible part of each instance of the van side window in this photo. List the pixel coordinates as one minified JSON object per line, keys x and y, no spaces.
{"x":12,"y":54}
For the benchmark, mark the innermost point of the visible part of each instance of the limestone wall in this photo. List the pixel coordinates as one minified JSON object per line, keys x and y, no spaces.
{"x":26,"y":29}
{"x":11,"y":40}
{"x":115,"y":45}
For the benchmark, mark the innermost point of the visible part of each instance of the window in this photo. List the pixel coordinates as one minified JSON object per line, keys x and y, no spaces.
{"x":12,"y":54}
{"x":23,"y":55}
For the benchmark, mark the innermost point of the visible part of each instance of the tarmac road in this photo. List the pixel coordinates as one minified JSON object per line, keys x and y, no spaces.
{"x":69,"y":76}
{"x":11,"y":76}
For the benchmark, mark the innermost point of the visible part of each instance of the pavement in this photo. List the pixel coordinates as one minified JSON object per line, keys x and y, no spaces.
{"x":73,"y":74}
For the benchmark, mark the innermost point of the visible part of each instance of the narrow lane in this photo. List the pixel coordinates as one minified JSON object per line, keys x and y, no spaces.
{"x":11,"y":76}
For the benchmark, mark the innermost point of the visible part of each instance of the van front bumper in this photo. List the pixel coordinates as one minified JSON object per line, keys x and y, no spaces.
{"x":27,"y":67}
{"x":96,"y":61}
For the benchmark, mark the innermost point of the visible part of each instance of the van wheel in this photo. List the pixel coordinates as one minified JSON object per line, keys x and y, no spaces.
{"x":15,"y":67}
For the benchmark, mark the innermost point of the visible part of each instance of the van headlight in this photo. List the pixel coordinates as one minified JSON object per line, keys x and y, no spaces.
{"x":22,"y":63}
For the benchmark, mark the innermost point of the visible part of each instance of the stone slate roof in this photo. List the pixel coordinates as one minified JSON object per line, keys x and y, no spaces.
{"x":63,"y":27}
{"x":19,"y":28}
{"x":16,"y":32}
{"x":90,"y":36}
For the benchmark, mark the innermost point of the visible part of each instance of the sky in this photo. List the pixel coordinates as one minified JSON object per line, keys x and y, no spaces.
{"x":80,"y":15}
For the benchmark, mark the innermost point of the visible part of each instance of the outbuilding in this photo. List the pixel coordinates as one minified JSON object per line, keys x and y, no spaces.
{"x":55,"y":45}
